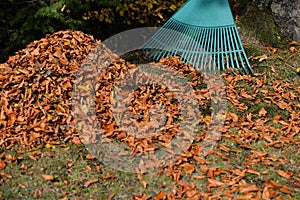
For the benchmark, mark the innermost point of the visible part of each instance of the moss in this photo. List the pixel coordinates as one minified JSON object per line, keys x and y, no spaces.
{"x":254,"y":50}
{"x":260,"y":23}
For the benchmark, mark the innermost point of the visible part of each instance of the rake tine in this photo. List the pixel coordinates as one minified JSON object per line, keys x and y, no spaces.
{"x":239,"y":56}
{"x":205,"y":35}
{"x":225,"y":48}
{"x":214,"y":49}
{"x":205,"y":50}
{"x":234,"y":52}
{"x":218,"y":50}
{"x":243,"y":52}
{"x":196,"y":53}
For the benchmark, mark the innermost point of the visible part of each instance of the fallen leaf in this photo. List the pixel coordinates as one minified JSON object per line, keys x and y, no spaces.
{"x":284,"y":174}
{"x":214,"y":183}
{"x":2,"y":164}
{"x":22,"y":185}
{"x":48,"y":177}
{"x":90,"y":182}
{"x":111,"y":196}
{"x":292,"y":49}
{"x":160,"y":196}
{"x":141,"y":197}
{"x":248,"y":188}
{"x":5,"y":175}
{"x":266,"y":194}
{"x":144,"y":184}
{"x":262,"y":112}
{"x":90,"y":156}
{"x":285,"y":190}
{"x":188,"y":168}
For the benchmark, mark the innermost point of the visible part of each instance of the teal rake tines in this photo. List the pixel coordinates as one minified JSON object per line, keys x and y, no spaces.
{"x":204,"y":34}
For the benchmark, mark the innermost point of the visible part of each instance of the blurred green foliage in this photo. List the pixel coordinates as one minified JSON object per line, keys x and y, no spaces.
{"x":22,"y":21}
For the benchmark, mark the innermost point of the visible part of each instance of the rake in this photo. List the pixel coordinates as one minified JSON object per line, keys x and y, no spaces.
{"x":204,"y":34}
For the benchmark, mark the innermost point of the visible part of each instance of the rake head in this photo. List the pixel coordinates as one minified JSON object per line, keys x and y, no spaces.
{"x":202,"y":33}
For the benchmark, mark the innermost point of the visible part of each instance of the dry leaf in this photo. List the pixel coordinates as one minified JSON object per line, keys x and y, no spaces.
{"x":285,"y":190}
{"x":2,"y":164}
{"x":111,"y":196}
{"x":48,"y":177}
{"x":160,"y":196}
{"x":262,"y":112}
{"x":188,"y":168}
{"x":90,"y":182}
{"x":214,"y":183}
{"x":292,"y":49}
{"x":284,"y":174}
{"x":141,"y":197}
{"x":248,"y":188}
{"x":90,"y":156}
{"x":5,"y":175}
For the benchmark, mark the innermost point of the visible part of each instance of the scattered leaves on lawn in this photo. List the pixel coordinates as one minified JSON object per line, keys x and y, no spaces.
{"x":36,"y":103}
{"x":47,"y":177}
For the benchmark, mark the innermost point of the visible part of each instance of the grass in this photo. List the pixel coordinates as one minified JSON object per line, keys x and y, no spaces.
{"x":72,"y":169}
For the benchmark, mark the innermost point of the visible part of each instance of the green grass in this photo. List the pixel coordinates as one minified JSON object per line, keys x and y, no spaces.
{"x":72,"y":170}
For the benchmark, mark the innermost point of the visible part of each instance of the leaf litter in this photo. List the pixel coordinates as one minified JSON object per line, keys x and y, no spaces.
{"x":36,"y":86}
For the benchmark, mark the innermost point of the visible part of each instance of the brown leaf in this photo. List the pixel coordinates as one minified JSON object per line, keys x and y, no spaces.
{"x":285,"y":190}
{"x":5,"y":175}
{"x":248,"y":188}
{"x":48,"y":177}
{"x":262,"y":112}
{"x":2,"y":164}
{"x":160,"y":196}
{"x":141,"y":197}
{"x":111,"y":196}
{"x":144,"y":184}
{"x":266,"y":194}
{"x":234,"y":117}
{"x":90,"y":156}
{"x":284,"y":174}
{"x":22,"y":185}
{"x":188,"y":168}
{"x":12,"y":117}
{"x":214,"y":183}
{"x":90,"y":182}
{"x":109,"y":176}
{"x":252,"y":171}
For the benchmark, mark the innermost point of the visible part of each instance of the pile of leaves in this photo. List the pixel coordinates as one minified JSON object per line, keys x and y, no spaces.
{"x":36,"y":103}
{"x":36,"y":89}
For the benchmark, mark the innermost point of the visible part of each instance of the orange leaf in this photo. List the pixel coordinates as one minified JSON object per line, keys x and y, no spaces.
{"x":76,"y":140}
{"x":224,"y":148}
{"x":108,"y":176}
{"x":248,"y":188}
{"x":252,"y":171}
{"x":286,"y":190}
{"x":262,"y":112}
{"x":90,"y":156}
{"x":266,"y":194}
{"x":110,"y":197}
{"x":22,"y":185}
{"x":48,"y":177}
{"x":90,"y":182}
{"x":2,"y":164}
{"x":160,"y":196}
{"x":188,"y":168}
{"x":261,"y":58}
{"x":284,"y":174}
{"x":12,"y":118}
{"x":214,"y":183}
{"x":235,"y":117}
{"x":141,"y":197}
{"x":144,"y":184}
